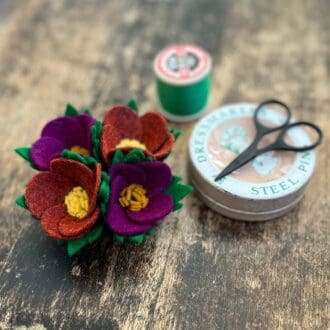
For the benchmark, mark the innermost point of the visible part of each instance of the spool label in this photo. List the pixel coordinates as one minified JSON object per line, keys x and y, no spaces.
{"x":223,"y":134}
{"x":182,"y":64}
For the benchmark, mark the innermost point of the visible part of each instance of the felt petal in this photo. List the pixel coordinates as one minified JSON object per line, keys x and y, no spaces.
{"x":46,"y":190}
{"x":76,"y":171}
{"x":157,"y":209}
{"x":120,"y":122}
{"x":44,"y":150}
{"x":86,"y":122}
{"x":123,"y":117}
{"x":165,"y":148}
{"x":158,"y":176}
{"x":116,"y":218}
{"x":72,"y":228}
{"x":117,"y":185}
{"x":66,"y":129}
{"x":97,"y":182}
{"x":119,"y":222}
{"x":110,"y":138}
{"x":131,"y":172}
{"x":154,"y":130}
{"x":51,"y":218}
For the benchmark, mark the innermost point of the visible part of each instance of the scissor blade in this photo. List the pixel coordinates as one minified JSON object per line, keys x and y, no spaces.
{"x":239,"y":161}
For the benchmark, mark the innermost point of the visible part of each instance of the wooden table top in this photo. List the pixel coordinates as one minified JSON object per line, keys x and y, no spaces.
{"x":200,"y":270}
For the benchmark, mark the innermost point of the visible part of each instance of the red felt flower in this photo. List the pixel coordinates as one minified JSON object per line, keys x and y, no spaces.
{"x":124,"y":129}
{"x":64,"y":198}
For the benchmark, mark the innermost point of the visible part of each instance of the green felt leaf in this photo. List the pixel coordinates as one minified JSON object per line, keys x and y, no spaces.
{"x":176,"y":179}
{"x":118,"y":157}
{"x":137,"y":239}
{"x":76,"y":245}
{"x":71,"y":111}
{"x":24,"y":152}
{"x":104,"y":193}
{"x":86,"y":111}
{"x":20,"y":201}
{"x":151,"y":232}
{"x":119,"y":238}
{"x":104,"y":190}
{"x":105,"y":177}
{"x":96,"y":131}
{"x":133,"y":105}
{"x":103,"y":209}
{"x":177,"y":206}
{"x":134,"y":156}
{"x":94,"y":234}
{"x":178,"y":191}
{"x":87,"y":160}
{"x":176,"y":133}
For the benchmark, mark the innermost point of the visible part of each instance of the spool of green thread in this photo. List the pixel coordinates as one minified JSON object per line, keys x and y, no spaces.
{"x":183,"y":81}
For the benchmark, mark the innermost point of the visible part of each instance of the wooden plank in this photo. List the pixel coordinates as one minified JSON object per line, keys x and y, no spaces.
{"x":201,"y":270}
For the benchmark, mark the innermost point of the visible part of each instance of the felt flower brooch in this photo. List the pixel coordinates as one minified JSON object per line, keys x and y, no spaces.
{"x":138,"y":196}
{"x":71,"y":133}
{"x":64,"y":198}
{"x":95,"y":175}
{"x":124,"y":130}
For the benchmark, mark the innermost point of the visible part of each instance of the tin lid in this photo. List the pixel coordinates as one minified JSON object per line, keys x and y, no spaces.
{"x":182,"y":64}
{"x":264,"y":188}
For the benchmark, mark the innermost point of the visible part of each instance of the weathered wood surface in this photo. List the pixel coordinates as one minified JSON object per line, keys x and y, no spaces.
{"x":201,"y":270}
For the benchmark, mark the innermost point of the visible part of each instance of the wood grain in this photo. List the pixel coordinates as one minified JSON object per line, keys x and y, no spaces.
{"x":201,"y":270}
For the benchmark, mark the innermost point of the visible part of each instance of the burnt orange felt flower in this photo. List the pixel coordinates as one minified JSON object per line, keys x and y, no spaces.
{"x":124,"y":129}
{"x":64,"y":198}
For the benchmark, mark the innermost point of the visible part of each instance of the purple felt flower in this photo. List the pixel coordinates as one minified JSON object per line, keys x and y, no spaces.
{"x":138,"y":199}
{"x":68,"y":132}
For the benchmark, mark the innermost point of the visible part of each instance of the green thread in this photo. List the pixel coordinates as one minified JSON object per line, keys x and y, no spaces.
{"x":184,"y":100}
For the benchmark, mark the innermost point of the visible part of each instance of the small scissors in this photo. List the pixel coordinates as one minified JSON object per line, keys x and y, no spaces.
{"x":253,"y":151}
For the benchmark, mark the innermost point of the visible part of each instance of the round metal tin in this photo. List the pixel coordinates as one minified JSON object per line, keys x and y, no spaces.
{"x":267,"y":187}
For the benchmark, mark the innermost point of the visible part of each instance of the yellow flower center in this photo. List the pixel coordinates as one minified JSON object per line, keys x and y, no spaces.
{"x":80,"y":150}
{"x":133,"y":197}
{"x":130,"y":143}
{"x":77,"y":202}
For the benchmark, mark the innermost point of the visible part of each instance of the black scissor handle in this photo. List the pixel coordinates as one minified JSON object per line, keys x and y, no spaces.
{"x":261,"y":128}
{"x":280,"y":144}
